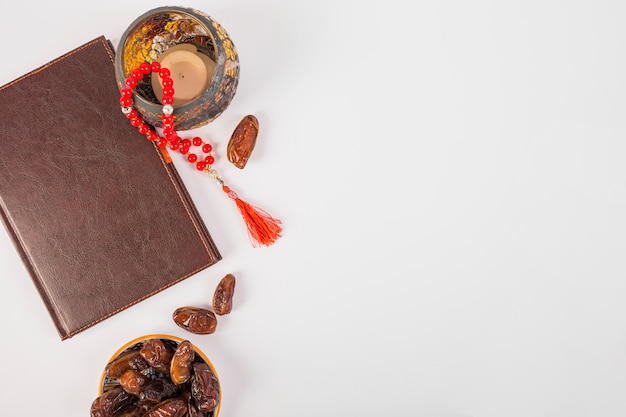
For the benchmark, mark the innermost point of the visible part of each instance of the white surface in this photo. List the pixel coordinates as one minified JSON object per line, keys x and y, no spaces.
{"x":451,"y":181}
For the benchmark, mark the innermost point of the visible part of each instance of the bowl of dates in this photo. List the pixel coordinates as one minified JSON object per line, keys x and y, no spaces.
{"x":158,"y":376}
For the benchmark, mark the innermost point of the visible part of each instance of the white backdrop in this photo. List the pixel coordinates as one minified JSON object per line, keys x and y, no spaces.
{"x":450,"y":178}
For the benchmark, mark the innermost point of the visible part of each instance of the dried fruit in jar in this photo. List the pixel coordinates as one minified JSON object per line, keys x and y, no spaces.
{"x":129,"y":360}
{"x":157,"y":354}
{"x":242,"y":141}
{"x":173,"y":407}
{"x":111,"y":402}
{"x":205,"y":388}
{"x":180,"y":368}
{"x":133,"y":381}
{"x":195,"y":319}
{"x":223,"y":295}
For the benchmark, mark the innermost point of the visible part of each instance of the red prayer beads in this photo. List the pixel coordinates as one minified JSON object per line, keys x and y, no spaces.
{"x":170,"y":136}
{"x":262,"y":228}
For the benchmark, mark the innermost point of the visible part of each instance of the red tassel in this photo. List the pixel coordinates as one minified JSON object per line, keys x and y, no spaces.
{"x":262,"y":228}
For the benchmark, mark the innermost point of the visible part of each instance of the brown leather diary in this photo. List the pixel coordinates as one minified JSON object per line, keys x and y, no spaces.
{"x":99,"y":216}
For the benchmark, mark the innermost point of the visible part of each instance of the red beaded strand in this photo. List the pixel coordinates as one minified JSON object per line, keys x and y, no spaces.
{"x":170,"y":136}
{"x":263,"y":229}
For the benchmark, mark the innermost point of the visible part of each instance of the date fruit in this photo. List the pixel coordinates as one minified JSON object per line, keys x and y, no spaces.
{"x":180,"y":368}
{"x":242,"y":141}
{"x":173,"y":407}
{"x":223,"y":295}
{"x":111,"y":402}
{"x":204,"y":387}
{"x":192,"y":408}
{"x":159,"y":389}
{"x":195,"y":319}
{"x":129,"y":360}
{"x":132,"y":411}
{"x":157,"y":354}
{"x":133,"y":381}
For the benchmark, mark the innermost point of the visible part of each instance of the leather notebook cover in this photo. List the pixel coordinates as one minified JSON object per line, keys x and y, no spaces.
{"x":100,"y":218}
